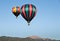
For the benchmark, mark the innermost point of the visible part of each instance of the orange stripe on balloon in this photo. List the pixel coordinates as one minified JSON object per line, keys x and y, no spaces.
{"x":13,"y":9}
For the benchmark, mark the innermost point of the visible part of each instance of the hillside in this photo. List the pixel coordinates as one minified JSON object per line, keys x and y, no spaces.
{"x":32,"y":38}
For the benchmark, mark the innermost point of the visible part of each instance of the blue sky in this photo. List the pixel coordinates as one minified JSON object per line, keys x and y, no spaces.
{"x":46,"y":24}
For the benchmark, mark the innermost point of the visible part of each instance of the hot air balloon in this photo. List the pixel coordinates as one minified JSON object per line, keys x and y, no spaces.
{"x":16,"y":11}
{"x":28,"y":12}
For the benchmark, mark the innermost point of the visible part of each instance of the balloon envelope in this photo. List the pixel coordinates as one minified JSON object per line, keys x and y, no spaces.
{"x":16,"y":11}
{"x":28,"y":12}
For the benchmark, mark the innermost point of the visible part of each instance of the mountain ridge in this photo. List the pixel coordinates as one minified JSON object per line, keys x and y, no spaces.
{"x":30,"y":38}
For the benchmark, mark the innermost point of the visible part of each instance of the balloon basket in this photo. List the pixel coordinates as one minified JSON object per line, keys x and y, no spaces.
{"x":28,"y":24}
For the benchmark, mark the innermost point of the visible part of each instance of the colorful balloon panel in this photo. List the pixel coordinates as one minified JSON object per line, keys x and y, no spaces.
{"x":16,"y":11}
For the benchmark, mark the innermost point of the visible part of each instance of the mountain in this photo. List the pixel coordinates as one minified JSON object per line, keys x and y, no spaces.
{"x":31,"y":38}
{"x":34,"y":37}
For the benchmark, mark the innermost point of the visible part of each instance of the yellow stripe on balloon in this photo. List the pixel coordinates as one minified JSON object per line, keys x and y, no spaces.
{"x":14,"y":10}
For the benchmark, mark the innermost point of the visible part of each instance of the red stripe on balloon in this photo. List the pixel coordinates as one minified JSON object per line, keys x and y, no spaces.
{"x":19,"y":9}
{"x":23,"y":10}
{"x":30,"y":10}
